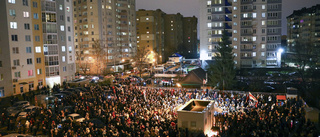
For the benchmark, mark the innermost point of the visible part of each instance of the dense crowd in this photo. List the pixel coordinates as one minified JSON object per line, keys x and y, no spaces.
{"x":130,"y":111}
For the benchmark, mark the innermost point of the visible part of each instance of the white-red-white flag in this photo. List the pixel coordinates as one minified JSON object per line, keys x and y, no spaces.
{"x":252,"y":97}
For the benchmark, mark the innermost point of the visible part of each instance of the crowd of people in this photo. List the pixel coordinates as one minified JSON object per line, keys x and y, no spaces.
{"x":131,"y":111}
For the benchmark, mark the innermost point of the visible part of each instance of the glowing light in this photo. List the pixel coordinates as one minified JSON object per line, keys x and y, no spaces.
{"x":179,"y":85}
{"x":203,"y":55}
{"x":280,"y":50}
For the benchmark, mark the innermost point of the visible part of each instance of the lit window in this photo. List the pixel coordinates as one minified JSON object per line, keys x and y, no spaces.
{"x":62,"y":28}
{"x":262,"y":54}
{"x":254,"y":38}
{"x":263,"y":46}
{"x":147,"y":18}
{"x":263,"y":7}
{"x":38,"y":49}
{"x":209,"y":2}
{"x":60,"y":7}
{"x":254,"y":15}
{"x":30,"y":72}
{"x":235,"y":39}
{"x":26,"y":14}
{"x":13,"y":25}
{"x":70,"y":49}
{"x":63,"y":48}
{"x":245,"y":15}
{"x":234,"y":31}
{"x":209,"y":25}
{"x":235,"y":54}
{"x":263,"y":22}
{"x":234,"y":8}
{"x":63,"y":58}
{"x":39,"y":71}
{"x":12,"y":1}
{"x":235,"y":47}
{"x":254,"y":54}
{"x":263,"y":15}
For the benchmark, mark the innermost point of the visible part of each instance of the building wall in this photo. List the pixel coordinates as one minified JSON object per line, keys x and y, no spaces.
{"x":303,"y":27}
{"x":5,"y":58}
{"x":173,"y":33}
{"x":66,"y":40}
{"x":254,"y":28}
{"x":150,"y":31}
{"x":37,"y":45}
{"x":190,"y":38}
{"x":109,"y":23}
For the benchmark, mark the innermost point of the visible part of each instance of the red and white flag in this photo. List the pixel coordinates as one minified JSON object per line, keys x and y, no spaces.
{"x":252,"y":97}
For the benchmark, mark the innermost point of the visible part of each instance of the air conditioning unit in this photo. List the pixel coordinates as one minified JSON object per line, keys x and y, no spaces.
{"x":14,"y":67}
{"x":15,"y":80}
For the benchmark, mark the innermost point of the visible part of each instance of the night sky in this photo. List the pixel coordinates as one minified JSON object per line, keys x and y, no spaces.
{"x":190,"y":8}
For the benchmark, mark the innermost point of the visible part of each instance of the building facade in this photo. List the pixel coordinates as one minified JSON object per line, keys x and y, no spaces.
{"x":173,"y":29}
{"x":167,"y":34}
{"x":189,"y":48}
{"x":30,"y":49}
{"x":150,"y":31}
{"x":303,"y":33}
{"x":105,"y":34}
{"x":254,"y":27}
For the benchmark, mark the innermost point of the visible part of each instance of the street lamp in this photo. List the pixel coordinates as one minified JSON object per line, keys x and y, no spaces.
{"x":279,"y":52}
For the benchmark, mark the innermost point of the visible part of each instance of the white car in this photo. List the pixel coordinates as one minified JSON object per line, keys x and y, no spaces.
{"x":76,"y":117}
{"x":27,"y":110}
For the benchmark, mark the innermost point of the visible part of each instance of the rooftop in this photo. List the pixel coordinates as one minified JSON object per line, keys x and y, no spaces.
{"x":196,"y":105}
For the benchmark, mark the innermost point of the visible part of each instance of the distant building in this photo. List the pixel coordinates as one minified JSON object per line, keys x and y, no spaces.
{"x":150,"y":31}
{"x":303,"y":30}
{"x":166,"y":33}
{"x":36,"y":45}
{"x":189,"y":47}
{"x":196,"y":115}
{"x":108,"y":23}
{"x":254,"y":27}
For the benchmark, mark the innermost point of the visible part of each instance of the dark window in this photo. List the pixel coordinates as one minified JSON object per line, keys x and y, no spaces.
{"x":14,"y":37}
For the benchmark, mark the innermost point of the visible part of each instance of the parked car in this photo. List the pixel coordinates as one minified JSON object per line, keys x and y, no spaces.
{"x":76,"y":117}
{"x":30,"y":109}
{"x":17,"y":107}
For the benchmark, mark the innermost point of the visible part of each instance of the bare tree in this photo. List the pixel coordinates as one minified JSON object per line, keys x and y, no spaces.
{"x":141,"y":58}
{"x":83,"y":64}
{"x":99,"y":55}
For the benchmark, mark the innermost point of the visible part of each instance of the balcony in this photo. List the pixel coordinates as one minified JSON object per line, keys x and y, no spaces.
{"x":274,"y":1}
{"x":227,"y":3}
{"x":227,"y":26}
{"x":247,"y":49}
{"x":227,"y":18}
{"x":227,"y":11}
{"x":217,"y":19}
{"x":246,"y":1}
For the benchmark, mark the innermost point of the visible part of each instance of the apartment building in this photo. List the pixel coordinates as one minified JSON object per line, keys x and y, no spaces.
{"x":303,"y":30}
{"x":105,"y":34}
{"x":254,"y":27}
{"x":150,"y":32}
{"x":166,"y":34}
{"x":189,"y":48}
{"x":29,"y":51}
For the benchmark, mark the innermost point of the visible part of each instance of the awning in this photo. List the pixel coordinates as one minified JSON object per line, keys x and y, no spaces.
{"x":23,"y":83}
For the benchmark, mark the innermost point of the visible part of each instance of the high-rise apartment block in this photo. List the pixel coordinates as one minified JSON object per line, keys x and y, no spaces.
{"x":150,"y":31}
{"x":303,"y":30}
{"x":105,"y":33}
{"x":166,"y":33}
{"x":190,"y":37}
{"x":254,"y":27}
{"x":36,"y":45}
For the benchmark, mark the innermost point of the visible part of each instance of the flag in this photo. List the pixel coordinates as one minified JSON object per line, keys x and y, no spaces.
{"x":252,"y":97}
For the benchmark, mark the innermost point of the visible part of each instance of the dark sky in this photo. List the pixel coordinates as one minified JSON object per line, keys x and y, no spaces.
{"x":191,"y":7}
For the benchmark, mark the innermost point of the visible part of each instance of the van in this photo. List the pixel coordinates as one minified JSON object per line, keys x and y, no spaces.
{"x":292,"y":92}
